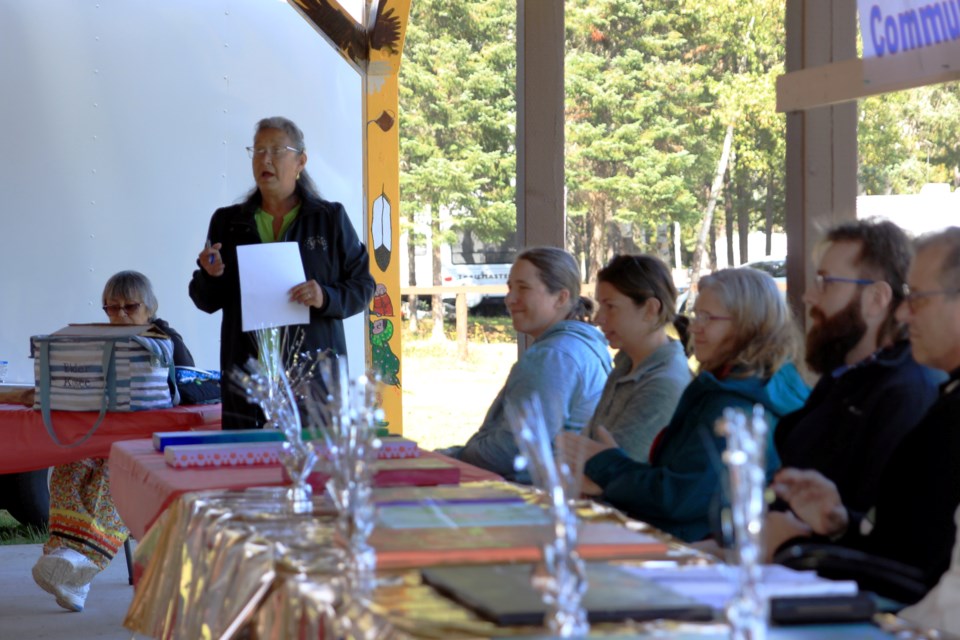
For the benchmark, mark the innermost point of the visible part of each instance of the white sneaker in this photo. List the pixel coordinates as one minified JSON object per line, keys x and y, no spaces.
{"x":66,"y":574}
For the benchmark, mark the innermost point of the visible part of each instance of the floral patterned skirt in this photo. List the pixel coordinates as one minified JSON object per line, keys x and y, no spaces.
{"x":82,"y":514}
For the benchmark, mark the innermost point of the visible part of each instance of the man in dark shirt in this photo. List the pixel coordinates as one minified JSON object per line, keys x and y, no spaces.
{"x":912,"y":518}
{"x":871,"y":392}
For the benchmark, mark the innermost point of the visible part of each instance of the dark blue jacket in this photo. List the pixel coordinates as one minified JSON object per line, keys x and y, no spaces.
{"x":332,"y":254}
{"x":676,"y":491}
{"x":855,"y":418}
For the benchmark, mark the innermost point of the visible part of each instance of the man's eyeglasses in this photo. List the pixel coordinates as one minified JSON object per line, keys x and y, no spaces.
{"x":918,"y":299}
{"x":128,"y":309}
{"x":273,"y":152}
{"x":821,"y":281}
{"x":705,"y":317}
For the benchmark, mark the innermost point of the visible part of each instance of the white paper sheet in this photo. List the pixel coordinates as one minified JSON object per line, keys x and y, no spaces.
{"x":267,"y":273}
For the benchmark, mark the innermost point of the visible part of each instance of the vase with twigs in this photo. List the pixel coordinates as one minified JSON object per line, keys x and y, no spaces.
{"x":344,"y":415}
{"x":270,"y":384}
{"x":745,"y":456}
{"x":561,"y":576}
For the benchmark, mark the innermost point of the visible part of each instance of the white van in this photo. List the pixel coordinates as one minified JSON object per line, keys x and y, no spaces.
{"x":469,"y":260}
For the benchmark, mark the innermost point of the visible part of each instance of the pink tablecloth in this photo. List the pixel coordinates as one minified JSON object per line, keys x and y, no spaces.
{"x":28,"y":446}
{"x":143,"y":485}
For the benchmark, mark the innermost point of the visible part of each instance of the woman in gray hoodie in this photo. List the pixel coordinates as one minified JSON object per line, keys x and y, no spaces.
{"x":565,"y":367}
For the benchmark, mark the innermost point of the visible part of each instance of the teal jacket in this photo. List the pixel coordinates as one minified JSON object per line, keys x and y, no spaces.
{"x":683,"y":485}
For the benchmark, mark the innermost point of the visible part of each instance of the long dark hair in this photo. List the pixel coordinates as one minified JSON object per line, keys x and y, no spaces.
{"x":641,"y":277}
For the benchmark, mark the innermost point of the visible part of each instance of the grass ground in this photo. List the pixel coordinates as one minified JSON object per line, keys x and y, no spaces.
{"x":445,"y":398}
{"x":12,"y":532}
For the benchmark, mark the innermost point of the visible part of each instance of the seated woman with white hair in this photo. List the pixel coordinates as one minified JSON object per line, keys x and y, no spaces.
{"x":85,"y":529}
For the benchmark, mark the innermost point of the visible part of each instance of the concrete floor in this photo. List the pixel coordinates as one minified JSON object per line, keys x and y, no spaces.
{"x":29,"y":613}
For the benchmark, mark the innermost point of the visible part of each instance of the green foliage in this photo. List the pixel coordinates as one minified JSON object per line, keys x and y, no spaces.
{"x":907,"y":139}
{"x":651,"y":87}
{"x":457,"y":116}
{"x":12,"y":532}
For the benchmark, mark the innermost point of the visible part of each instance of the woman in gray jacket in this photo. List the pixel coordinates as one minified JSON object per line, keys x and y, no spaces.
{"x":637,"y":306}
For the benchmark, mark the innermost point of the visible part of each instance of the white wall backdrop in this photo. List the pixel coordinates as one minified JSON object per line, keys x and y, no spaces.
{"x":124,"y":124}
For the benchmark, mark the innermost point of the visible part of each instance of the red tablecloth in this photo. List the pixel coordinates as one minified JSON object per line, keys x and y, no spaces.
{"x":143,"y":485}
{"x":28,"y":446}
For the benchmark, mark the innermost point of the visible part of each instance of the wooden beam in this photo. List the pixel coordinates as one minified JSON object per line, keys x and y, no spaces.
{"x":849,"y":80}
{"x":541,"y":198}
{"x":540,"y":123}
{"x":821,"y":162}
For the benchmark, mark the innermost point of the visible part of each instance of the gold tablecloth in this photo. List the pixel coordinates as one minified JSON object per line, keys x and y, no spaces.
{"x":219,"y":562}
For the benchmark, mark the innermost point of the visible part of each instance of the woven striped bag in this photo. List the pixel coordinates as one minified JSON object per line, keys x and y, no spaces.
{"x":102,"y":368}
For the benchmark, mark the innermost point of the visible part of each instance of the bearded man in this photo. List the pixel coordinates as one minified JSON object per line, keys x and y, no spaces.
{"x":871,"y":392}
{"x":901,"y":546}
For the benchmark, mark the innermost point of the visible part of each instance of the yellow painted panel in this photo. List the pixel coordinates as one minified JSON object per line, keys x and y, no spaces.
{"x":376,"y":54}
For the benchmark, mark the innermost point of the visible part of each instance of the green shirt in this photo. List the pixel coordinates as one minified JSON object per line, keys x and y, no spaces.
{"x":265,"y":223}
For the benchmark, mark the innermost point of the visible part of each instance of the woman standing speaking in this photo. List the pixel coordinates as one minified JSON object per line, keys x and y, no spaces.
{"x":283,"y":206}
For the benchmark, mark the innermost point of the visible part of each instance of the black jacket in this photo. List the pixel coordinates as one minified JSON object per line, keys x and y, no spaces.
{"x":332,"y":254}
{"x":852,"y":423}
{"x":919,"y":493}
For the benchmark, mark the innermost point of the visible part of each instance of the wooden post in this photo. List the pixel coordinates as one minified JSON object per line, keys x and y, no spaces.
{"x":541,"y":206}
{"x":821,"y":163}
{"x":373,"y":47}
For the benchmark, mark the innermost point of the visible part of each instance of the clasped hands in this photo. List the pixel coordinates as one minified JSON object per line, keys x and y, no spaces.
{"x":575,"y":450}
{"x":815,"y":508}
{"x":815,"y":504}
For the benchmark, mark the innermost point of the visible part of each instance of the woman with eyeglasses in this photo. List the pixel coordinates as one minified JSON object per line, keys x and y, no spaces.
{"x":283,"y":206}
{"x":85,"y":529}
{"x":746,"y":341}
{"x":636,"y":309}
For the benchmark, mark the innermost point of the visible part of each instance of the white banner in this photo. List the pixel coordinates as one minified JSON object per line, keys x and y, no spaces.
{"x":889,"y":27}
{"x":126,"y":127}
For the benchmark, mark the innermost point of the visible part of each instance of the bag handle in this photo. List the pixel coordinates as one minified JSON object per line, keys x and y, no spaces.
{"x":163,"y":351}
{"x":110,"y":375}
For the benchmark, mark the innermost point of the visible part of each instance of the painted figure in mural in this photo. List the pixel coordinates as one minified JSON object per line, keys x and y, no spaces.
{"x":284,"y":205}
{"x":385,"y":361}
{"x":85,"y":529}
{"x":382,"y":305}
{"x":565,"y":367}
